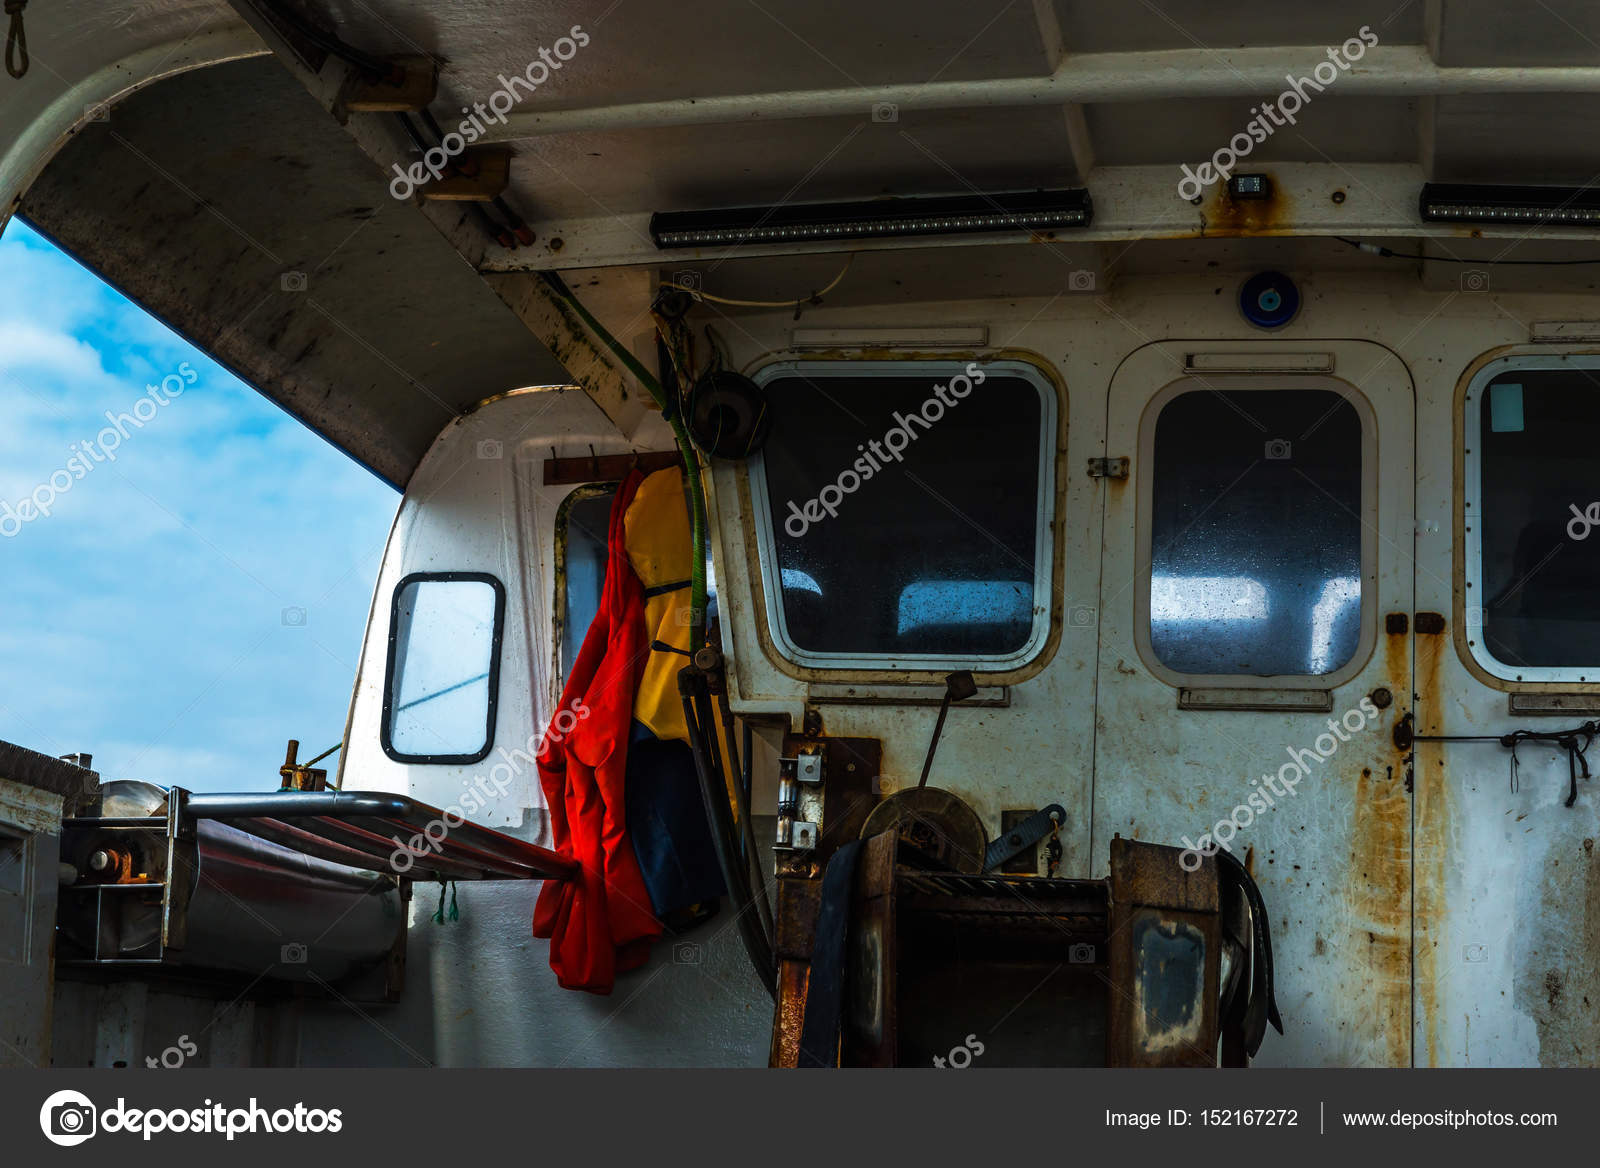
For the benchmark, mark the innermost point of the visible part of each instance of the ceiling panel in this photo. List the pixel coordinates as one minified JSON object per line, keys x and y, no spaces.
{"x":232,"y":207}
{"x":1093,"y":26}
{"x":809,"y":160}
{"x":1528,"y":138}
{"x":1345,"y":129}
{"x":1545,"y":32}
{"x":696,"y":48}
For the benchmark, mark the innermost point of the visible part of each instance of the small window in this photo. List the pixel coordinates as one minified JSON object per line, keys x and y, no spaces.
{"x":1533,"y":480}
{"x":906,"y":512}
{"x":582,"y":534}
{"x":444,"y":667}
{"x":1256,"y":499}
{"x":583,"y":528}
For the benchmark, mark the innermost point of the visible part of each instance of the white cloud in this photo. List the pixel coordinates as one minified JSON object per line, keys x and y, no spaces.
{"x":145,"y":614}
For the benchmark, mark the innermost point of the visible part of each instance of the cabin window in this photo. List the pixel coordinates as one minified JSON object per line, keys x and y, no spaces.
{"x":904,"y":512}
{"x":583,"y":527}
{"x":1255,"y":521}
{"x":444,"y":667}
{"x":1532,"y":484}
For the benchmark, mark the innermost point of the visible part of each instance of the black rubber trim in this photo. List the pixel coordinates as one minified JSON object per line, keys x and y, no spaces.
{"x":494,"y":668}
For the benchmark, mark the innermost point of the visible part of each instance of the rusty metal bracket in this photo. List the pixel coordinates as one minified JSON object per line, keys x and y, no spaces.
{"x":297,"y":776}
{"x":1108,"y":468}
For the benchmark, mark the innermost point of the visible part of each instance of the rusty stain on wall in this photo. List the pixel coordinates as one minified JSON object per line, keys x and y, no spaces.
{"x":1379,"y":884}
{"x":1225,"y":215}
{"x":1431,"y":847}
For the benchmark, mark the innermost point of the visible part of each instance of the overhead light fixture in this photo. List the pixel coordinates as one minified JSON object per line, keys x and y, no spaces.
{"x":1463,"y":203}
{"x":797,"y":223}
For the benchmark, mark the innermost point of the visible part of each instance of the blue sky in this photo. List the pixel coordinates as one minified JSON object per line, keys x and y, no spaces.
{"x":153,"y":617}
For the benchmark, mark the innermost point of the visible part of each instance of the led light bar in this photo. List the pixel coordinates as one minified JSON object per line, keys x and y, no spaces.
{"x":1557,"y":206}
{"x":957,"y":215}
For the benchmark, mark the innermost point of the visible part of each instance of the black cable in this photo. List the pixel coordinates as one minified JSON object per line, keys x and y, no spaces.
{"x":747,"y":831}
{"x":519,"y":229}
{"x":497,"y":232}
{"x":699,"y":718}
{"x":413,"y":133}
{"x":1378,"y":249}
{"x":1567,"y":740}
{"x":376,"y":68}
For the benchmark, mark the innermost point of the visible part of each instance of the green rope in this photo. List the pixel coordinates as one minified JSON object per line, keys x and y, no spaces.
{"x":323,"y":755}
{"x":440,"y":916}
{"x":691,"y":462}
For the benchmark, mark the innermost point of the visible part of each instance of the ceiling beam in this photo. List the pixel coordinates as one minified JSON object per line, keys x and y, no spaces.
{"x":1377,"y":201}
{"x":1083,"y":78}
{"x":380,"y":136}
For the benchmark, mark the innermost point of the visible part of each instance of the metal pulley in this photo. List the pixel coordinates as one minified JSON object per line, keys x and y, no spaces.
{"x":936,"y":823}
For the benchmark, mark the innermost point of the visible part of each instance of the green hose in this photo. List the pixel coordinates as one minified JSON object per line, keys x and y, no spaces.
{"x":691,"y":462}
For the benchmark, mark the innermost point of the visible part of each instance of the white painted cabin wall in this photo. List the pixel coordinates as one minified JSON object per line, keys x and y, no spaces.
{"x":481,"y":992}
{"x":1526,"y":889}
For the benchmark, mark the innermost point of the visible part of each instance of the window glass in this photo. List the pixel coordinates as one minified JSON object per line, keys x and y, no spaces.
{"x":587,"y":523}
{"x":446,"y":642}
{"x":905,"y":510}
{"x":1539,"y":466}
{"x":1256,"y":532}
{"x":582,"y":532}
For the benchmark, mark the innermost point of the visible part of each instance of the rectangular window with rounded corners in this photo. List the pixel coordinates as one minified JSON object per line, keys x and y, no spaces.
{"x":1256,"y":519}
{"x":1532,"y":495}
{"x":583,"y":526}
{"x":904,"y":512}
{"x":443,"y":673}
{"x":582,"y":535}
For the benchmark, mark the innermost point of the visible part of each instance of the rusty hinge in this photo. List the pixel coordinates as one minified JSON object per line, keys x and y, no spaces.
{"x":1108,"y":468}
{"x":1429,"y":624}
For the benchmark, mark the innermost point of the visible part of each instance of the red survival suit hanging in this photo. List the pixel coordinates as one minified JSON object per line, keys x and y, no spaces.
{"x":601,"y":922}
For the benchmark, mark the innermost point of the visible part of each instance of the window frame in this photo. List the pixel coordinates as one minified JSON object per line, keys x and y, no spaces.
{"x":497,"y":635}
{"x":1044,"y":519}
{"x":1144,"y":538}
{"x":1470,"y":451}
